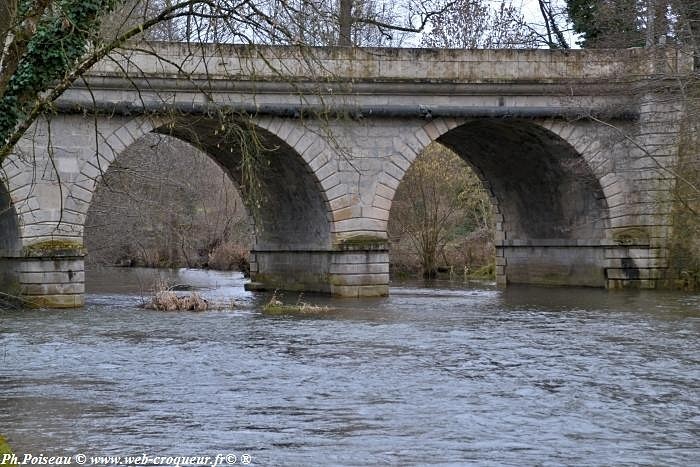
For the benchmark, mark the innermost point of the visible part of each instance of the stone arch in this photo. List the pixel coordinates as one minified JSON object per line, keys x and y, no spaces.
{"x":545,"y":189}
{"x":16,"y":193}
{"x":595,"y":144}
{"x":511,"y":157}
{"x":295,"y":212}
{"x":295,"y":240}
{"x":306,"y":181}
{"x":407,"y":147}
{"x":548,"y":199}
{"x":295,"y":215}
{"x":109,"y":146}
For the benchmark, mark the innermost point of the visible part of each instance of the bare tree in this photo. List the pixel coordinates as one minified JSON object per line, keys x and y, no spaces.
{"x":164,"y":203}
{"x":475,"y":24}
{"x":441,"y":208}
{"x":48,"y":44}
{"x":439,"y":201}
{"x":553,"y":18}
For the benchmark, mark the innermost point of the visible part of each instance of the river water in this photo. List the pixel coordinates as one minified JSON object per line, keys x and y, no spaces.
{"x":448,"y":375}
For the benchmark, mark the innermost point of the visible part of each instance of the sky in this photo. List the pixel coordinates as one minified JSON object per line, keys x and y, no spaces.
{"x":531,"y":11}
{"x":530,"y":8}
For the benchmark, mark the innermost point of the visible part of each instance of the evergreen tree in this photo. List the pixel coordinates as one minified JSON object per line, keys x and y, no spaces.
{"x":607,"y":23}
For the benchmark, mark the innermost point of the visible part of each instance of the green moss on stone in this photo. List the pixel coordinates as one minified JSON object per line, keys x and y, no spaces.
{"x":631,"y":236}
{"x":54,"y":301}
{"x":52,"y":248}
{"x":336,"y":280}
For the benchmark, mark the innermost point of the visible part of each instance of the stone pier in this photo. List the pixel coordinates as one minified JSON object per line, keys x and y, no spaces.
{"x":576,"y":201}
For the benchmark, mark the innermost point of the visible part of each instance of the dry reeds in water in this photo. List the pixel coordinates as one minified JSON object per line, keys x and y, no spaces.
{"x":165,"y":299}
{"x":276,"y":306}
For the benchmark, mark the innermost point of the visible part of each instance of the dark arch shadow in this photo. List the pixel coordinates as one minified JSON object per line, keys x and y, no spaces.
{"x":293,"y":215}
{"x":10,"y":243}
{"x":551,"y":212}
{"x":544,"y":188}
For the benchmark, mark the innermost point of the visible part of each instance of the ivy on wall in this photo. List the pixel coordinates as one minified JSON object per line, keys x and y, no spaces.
{"x":59,"y":39}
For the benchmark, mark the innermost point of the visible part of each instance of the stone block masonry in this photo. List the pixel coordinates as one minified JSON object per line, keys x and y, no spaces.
{"x":52,"y":282}
{"x":577,"y":200}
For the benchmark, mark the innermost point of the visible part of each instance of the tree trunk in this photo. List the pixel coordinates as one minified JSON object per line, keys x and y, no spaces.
{"x":345,"y":23}
{"x":690,"y":18}
{"x":657,"y":22}
{"x":7,"y":17}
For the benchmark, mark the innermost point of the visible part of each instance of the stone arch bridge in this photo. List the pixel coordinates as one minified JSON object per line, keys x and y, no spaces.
{"x":574,"y":147}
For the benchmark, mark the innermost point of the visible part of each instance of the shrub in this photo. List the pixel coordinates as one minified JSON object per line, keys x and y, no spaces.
{"x":229,"y":256}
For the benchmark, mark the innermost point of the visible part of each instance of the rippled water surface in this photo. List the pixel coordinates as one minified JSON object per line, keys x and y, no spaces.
{"x":460,"y":375}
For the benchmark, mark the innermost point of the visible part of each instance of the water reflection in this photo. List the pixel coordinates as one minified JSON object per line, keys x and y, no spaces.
{"x":450,"y":375}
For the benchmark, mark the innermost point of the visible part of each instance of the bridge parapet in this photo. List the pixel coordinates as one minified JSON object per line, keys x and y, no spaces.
{"x":352,"y":64}
{"x":520,"y":118}
{"x":373,"y":82}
